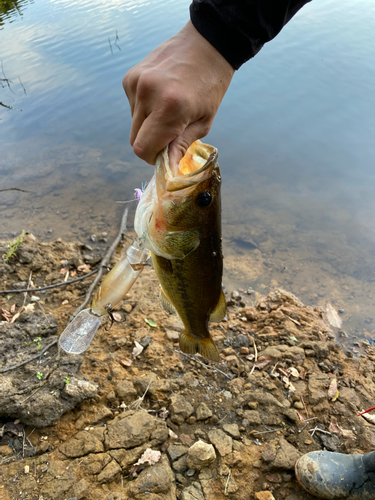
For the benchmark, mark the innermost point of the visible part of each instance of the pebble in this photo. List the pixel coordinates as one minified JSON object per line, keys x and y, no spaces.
{"x":127,"y":308}
{"x":236,"y":296}
{"x":200,"y":455}
{"x":27,"y":469}
{"x":35,"y":298}
{"x":93,"y":237}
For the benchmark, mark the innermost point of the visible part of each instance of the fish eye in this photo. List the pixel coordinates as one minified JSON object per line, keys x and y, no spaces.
{"x":204,"y":199}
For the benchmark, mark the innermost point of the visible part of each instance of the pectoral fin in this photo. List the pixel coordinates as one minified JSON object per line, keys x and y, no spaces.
{"x":205,"y":346}
{"x":180,"y":243}
{"x":219,"y":312}
{"x":166,"y":303}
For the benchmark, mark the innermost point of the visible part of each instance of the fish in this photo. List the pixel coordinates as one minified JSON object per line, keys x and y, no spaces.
{"x":178,"y":219}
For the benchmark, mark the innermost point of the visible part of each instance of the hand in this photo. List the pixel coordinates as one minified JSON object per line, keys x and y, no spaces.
{"x":174,"y":94}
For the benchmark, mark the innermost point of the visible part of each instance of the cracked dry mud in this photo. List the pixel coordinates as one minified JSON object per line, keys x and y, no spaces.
{"x":223,"y":430}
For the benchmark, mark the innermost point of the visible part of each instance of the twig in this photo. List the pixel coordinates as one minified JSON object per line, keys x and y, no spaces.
{"x":320,"y":430}
{"x":3,"y":370}
{"x":139,"y":401}
{"x":27,"y":286}
{"x":307,"y":413}
{"x":256,"y":357}
{"x":225,"y":416}
{"x":226,"y":485}
{"x":51,"y":286}
{"x":266,"y":432}
{"x":199,"y":362}
{"x":104,"y":262}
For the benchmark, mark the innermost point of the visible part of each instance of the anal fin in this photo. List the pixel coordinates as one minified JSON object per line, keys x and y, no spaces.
{"x":220,"y":310}
{"x":205,"y":346}
{"x":166,"y":303}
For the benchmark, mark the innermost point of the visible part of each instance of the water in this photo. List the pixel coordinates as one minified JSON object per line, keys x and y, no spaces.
{"x":296,"y":133}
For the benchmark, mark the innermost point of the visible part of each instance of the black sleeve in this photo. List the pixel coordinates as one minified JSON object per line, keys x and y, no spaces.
{"x":238,"y":29}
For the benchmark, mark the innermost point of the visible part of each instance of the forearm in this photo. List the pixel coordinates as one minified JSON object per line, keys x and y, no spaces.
{"x":238,"y":29}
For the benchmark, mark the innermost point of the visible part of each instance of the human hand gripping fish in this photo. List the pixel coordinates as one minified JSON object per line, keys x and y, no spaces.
{"x":179,"y":220}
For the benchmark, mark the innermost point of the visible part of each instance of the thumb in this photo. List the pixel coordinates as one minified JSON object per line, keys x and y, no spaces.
{"x":179,"y":146}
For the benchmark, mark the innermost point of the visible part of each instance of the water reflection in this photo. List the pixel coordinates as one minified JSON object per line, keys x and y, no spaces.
{"x":10,"y":9}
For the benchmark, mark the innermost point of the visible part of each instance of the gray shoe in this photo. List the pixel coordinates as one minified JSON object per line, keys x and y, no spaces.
{"x":336,"y":476}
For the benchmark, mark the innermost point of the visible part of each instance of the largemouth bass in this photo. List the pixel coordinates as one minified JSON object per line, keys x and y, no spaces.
{"x":179,"y":220}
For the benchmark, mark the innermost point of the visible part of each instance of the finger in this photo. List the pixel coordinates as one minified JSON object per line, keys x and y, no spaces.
{"x":179,"y":146}
{"x":129,"y":83}
{"x":154,"y":135}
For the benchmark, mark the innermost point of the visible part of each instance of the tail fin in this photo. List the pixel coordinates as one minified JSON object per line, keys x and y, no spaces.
{"x":205,"y":347}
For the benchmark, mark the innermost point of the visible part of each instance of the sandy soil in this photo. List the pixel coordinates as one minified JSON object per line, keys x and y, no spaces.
{"x":74,"y":426}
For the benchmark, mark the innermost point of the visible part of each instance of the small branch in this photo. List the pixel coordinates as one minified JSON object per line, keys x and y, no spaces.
{"x":226,"y":484}
{"x":5,"y":105}
{"x":266,"y":432}
{"x":50,"y":286}
{"x":3,"y":370}
{"x":256,"y":357}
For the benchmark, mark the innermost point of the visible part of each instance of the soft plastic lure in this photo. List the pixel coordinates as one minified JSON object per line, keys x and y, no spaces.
{"x":79,"y":334}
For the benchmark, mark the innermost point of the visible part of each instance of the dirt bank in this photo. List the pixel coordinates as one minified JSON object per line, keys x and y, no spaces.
{"x":74,"y":426}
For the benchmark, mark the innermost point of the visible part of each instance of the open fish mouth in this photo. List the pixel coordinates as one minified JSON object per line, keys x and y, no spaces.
{"x":196,"y":166}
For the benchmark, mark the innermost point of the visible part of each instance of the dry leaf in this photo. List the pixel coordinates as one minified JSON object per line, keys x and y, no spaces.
{"x":84,"y":268}
{"x":302,"y":374}
{"x":6,"y":315}
{"x":13,"y":308}
{"x":262,"y":362}
{"x":16,"y":316}
{"x":137,"y":349}
{"x":250,"y":357}
{"x":333,"y":393}
{"x":333,"y":316}
{"x":63,"y":270}
{"x":369,"y":418}
{"x":334,"y":427}
{"x":29,"y":307}
{"x":126,"y":361}
{"x":293,"y":372}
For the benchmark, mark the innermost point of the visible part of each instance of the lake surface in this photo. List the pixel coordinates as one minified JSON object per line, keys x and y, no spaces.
{"x":295,"y":133}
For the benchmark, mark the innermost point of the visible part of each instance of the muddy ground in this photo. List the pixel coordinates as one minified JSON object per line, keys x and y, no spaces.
{"x":74,"y":426}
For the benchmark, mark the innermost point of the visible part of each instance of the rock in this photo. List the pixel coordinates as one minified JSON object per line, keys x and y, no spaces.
{"x":252,"y":417}
{"x":192,"y":492}
{"x":241,"y":341}
{"x":316,"y":387}
{"x":95,"y":463}
{"x":172,"y":335}
{"x":203,"y":412}
{"x":156,"y":479}
{"x":294,"y":354}
{"x":134,"y":429}
{"x":257,"y":396}
{"x":264,"y":495}
{"x":81,"y":488}
{"x":176,"y":451}
{"x":232,"y":429}
{"x":127,"y":308}
{"x":200,"y":455}
{"x":331,"y":443}
{"x":126,"y":392}
{"x":102,"y":414}
{"x":286,"y":456}
{"x":180,"y":409}
{"x":349,"y":396}
{"x":109,"y":472}
{"x":180,"y":465}
{"x":222,"y":442}
{"x":81,"y":444}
